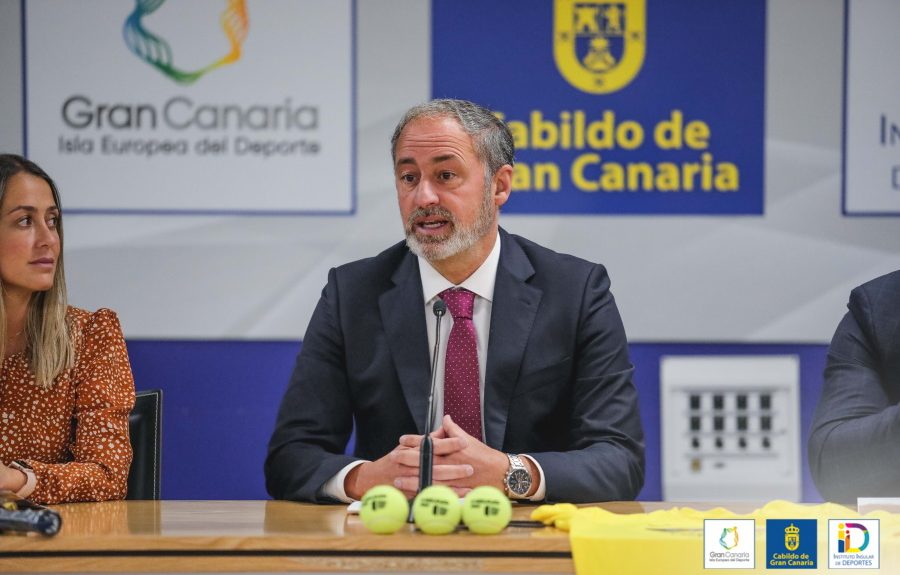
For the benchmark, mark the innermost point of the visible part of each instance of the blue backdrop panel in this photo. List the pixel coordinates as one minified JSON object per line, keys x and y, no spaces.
{"x":221,"y":398}
{"x":703,"y":60}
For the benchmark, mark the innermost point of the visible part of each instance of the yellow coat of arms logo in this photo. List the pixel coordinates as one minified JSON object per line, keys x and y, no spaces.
{"x":791,"y":537}
{"x":599,"y":45}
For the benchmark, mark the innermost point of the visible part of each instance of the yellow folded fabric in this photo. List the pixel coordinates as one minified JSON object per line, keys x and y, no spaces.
{"x":556,"y":515}
{"x":670,"y":541}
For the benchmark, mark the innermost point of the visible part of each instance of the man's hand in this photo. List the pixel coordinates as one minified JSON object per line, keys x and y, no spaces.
{"x":489,"y":465}
{"x":400,"y":467}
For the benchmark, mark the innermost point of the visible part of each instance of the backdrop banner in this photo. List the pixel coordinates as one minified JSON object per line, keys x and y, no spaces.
{"x":616,"y":106}
{"x":872,"y":109}
{"x":153,"y":107}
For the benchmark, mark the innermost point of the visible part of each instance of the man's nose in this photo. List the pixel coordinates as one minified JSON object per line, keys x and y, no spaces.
{"x":426,"y":194}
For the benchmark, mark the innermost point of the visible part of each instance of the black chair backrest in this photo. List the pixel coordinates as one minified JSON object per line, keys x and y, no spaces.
{"x":145,"y":429}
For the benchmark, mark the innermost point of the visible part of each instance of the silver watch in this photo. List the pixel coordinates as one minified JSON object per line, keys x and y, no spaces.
{"x":518,"y":479}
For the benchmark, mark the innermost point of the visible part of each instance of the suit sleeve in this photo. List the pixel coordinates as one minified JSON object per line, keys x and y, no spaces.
{"x":315,"y":419}
{"x":605,"y":461}
{"x":853,"y":447}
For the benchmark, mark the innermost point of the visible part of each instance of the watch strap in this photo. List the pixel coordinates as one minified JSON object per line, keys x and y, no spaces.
{"x":30,"y":478}
{"x":515,"y":463}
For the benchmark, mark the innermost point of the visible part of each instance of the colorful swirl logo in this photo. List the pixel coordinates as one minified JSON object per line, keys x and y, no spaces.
{"x":157,"y":52}
{"x":729,"y":538}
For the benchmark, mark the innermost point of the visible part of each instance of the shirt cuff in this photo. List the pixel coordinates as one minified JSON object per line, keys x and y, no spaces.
{"x":541,"y":492}
{"x":334,"y":487}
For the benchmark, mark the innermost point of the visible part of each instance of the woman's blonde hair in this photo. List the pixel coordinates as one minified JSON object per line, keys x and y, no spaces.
{"x":49,"y":347}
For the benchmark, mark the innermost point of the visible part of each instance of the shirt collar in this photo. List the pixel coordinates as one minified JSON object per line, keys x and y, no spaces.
{"x":481,"y":282}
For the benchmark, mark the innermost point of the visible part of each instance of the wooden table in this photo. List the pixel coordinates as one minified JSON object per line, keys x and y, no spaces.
{"x":181,"y":536}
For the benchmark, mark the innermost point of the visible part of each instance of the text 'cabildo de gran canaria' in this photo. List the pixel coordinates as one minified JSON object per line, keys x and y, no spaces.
{"x":589,"y":137}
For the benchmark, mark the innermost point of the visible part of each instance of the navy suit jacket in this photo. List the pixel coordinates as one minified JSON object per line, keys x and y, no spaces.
{"x":854,"y":446}
{"x":557,"y":383}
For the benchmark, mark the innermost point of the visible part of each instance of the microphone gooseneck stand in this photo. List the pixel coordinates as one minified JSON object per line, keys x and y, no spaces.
{"x":426,"y":448}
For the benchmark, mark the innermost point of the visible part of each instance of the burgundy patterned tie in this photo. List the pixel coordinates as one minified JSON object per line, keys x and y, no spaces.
{"x":462,"y":397}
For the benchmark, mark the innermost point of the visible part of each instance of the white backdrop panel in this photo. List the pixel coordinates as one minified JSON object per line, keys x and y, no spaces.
{"x":872,"y":113}
{"x":269,"y":132}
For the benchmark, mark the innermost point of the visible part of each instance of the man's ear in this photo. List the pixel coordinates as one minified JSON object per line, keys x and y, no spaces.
{"x":502,"y":184}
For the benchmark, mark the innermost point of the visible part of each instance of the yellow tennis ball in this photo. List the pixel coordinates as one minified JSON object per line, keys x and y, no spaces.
{"x":436,"y":510}
{"x":384,"y":509}
{"x":486,"y":510}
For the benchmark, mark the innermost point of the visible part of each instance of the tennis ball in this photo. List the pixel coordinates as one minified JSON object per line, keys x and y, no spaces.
{"x":384,"y":509}
{"x":486,"y":510}
{"x":436,"y":510}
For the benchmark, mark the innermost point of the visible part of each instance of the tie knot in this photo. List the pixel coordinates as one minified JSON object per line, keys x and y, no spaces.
{"x":460,"y":301}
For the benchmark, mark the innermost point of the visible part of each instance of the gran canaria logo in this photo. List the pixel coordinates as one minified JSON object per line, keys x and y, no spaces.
{"x":729,"y":538}
{"x":599,"y":45}
{"x":157,"y":52}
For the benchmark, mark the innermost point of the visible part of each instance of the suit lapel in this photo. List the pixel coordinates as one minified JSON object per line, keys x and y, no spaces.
{"x":512,"y":317}
{"x":403,"y":315}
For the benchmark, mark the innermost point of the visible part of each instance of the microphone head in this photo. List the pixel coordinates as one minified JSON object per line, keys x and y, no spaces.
{"x":439,"y":308}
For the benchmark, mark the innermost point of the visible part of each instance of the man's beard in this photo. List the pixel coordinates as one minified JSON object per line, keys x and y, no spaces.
{"x":457,"y":240}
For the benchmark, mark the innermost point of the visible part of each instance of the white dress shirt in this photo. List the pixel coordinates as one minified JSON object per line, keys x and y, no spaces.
{"x":481,"y":283}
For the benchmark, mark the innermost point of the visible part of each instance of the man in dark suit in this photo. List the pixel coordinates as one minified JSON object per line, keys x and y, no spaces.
{"x":854,"y":446}
{"x":533,"y":375}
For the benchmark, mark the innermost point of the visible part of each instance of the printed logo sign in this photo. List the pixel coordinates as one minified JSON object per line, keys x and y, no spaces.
{"x":854,"y":544}
{"x":208,"y":106}
{"x":156,"y":51}
{"x":729,"y":543}
{"x":599,"y":44}
{"x":791,"y":544}
{"x":616,"y":107}
{"x":871,"y":108}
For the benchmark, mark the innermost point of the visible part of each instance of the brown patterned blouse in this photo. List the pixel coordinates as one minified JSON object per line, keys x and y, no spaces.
{"x":74,"y":434}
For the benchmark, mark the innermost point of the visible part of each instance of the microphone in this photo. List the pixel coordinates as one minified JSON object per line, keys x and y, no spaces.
{"x":426,"y":451}
{"x":22,"y":515}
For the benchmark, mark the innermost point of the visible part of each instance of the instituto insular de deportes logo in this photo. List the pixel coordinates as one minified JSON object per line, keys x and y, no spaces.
{"x":844,"y":539}
{"x":155,"y":51}
{"x":854,"y":543}
{"x":599,"y":45}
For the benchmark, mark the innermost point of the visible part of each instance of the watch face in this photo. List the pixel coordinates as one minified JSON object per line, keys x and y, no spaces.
{"x":519,"y":481}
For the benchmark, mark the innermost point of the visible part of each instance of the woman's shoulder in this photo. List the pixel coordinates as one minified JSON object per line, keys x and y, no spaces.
{"x":83,"y":322}
{"x":85,"y":317}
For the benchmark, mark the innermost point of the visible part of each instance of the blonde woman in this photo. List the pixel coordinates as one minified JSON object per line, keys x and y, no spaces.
{"x":66,"y":387}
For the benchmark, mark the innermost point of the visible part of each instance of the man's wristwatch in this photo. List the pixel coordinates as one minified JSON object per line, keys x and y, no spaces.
{"x":30,"y":478}
{"x":518,"y":479}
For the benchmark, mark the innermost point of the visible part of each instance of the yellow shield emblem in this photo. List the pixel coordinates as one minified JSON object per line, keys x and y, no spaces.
{"x":792,"y":537}
{"x":599,"y":45}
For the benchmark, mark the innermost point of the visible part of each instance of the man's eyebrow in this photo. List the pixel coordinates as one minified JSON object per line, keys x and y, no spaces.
{"x":435,"y":160}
